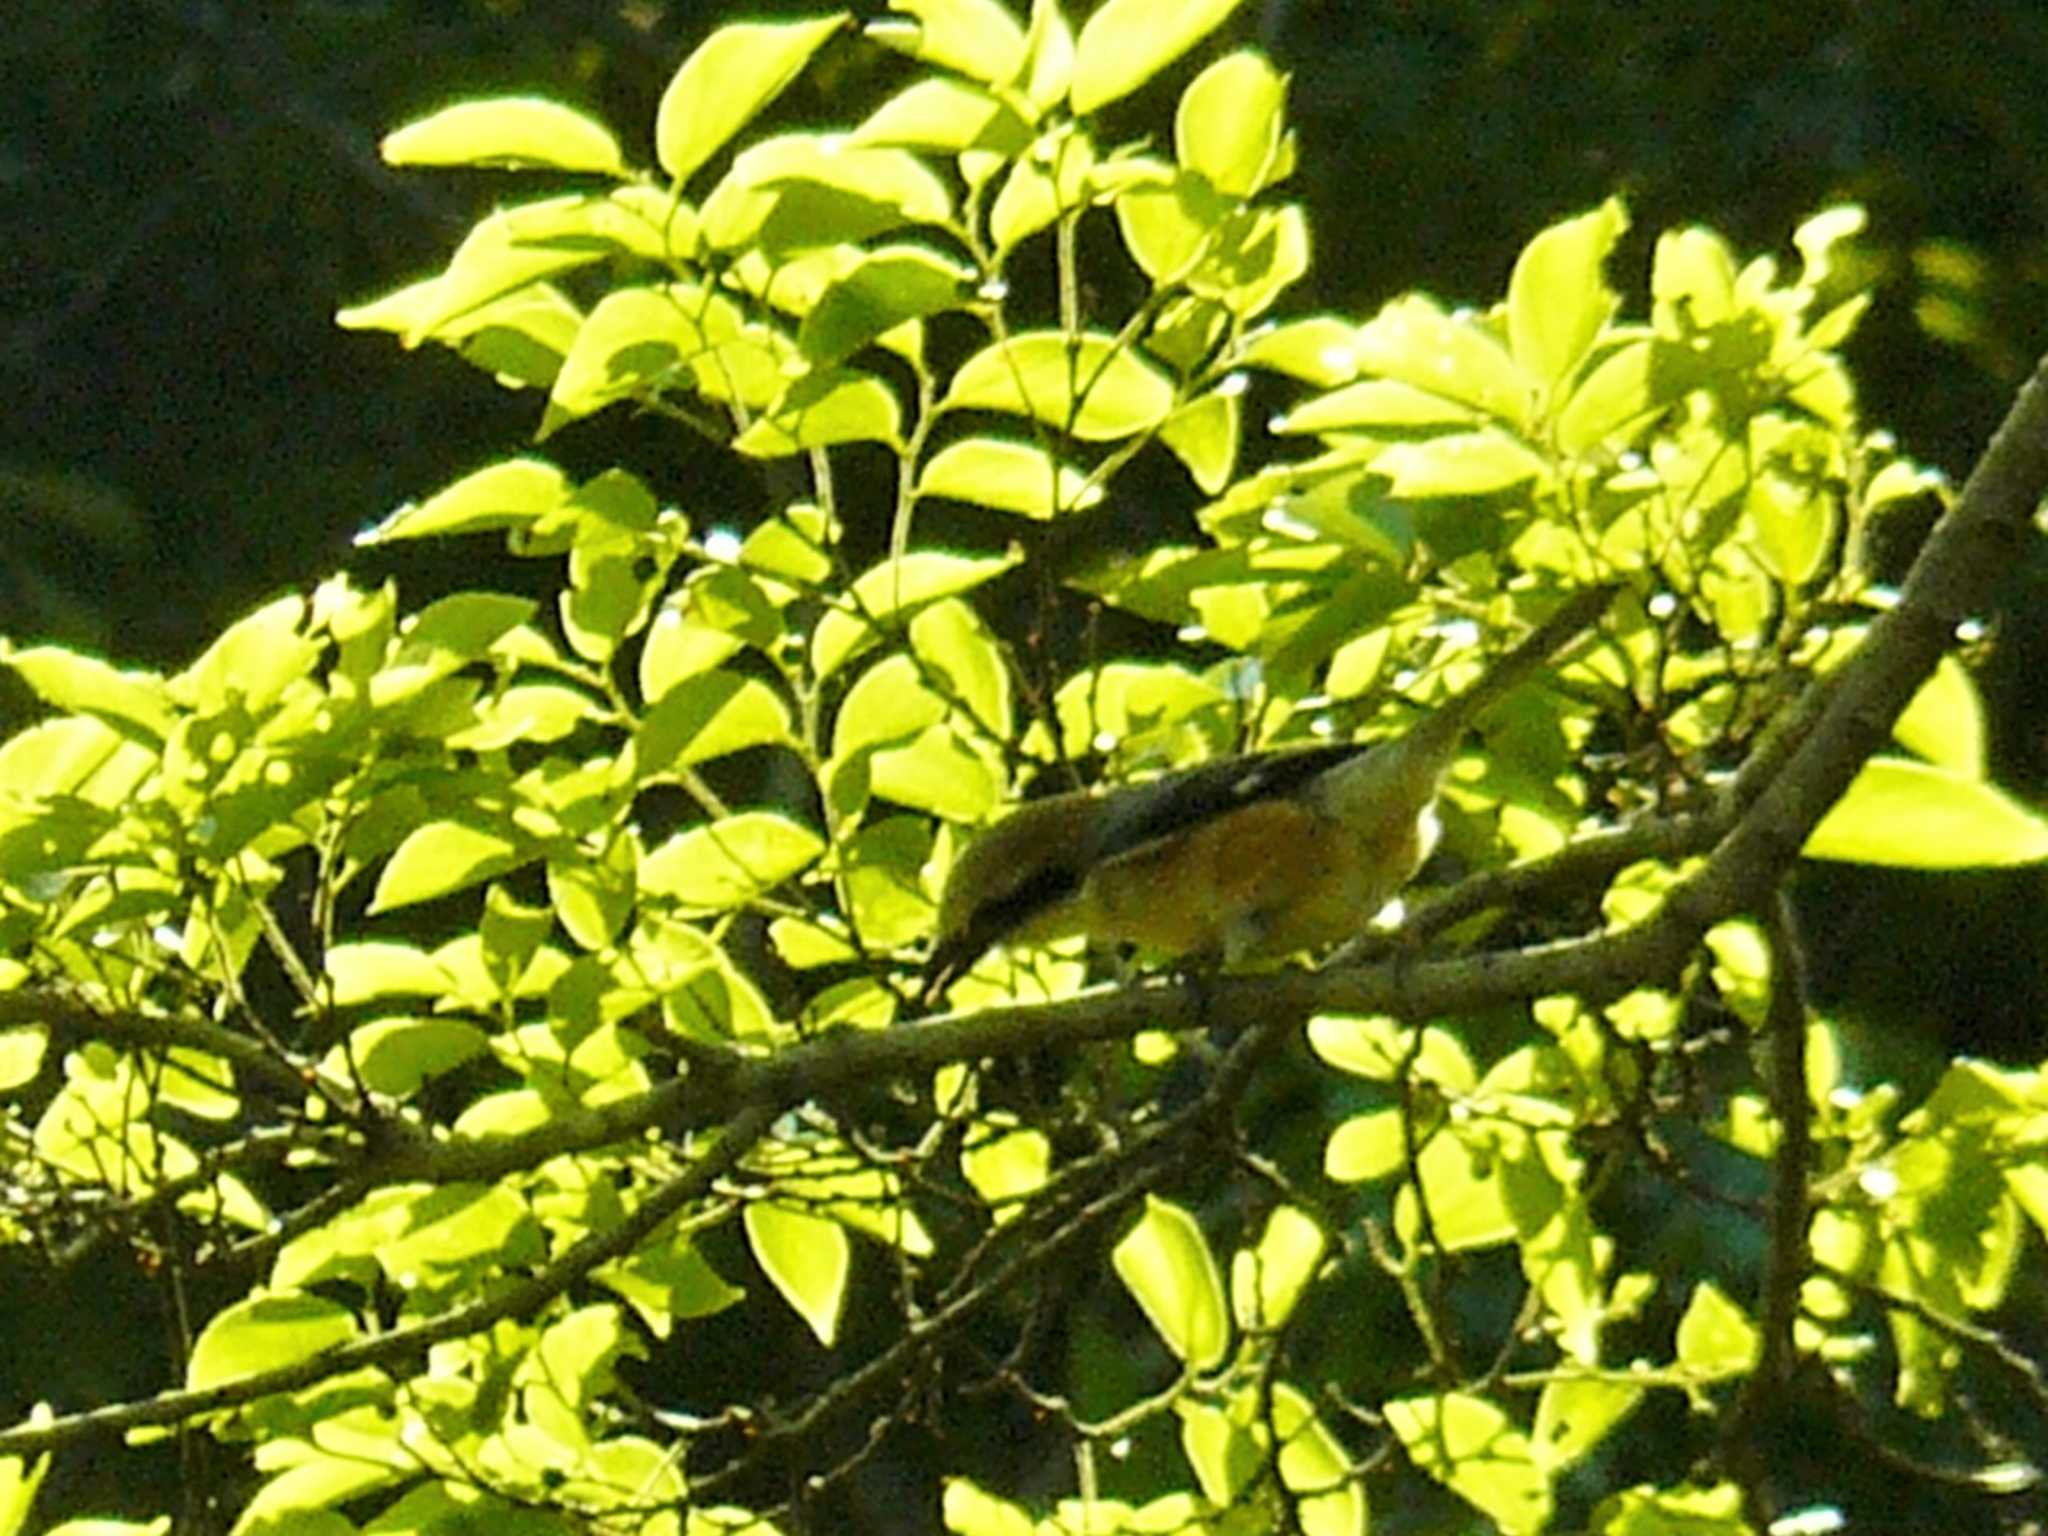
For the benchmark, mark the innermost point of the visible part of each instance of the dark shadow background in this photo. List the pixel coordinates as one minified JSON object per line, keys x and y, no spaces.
{"x":190,"y":188}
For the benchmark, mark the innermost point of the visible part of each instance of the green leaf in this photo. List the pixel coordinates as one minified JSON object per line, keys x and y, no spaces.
{"x":264,"y":1333}
{"x":1794,"y":521}
{"x":19,"y":1482}
{"x":1229,"y":124}
{"x":1472,"y":1448}
{"x":1366,"y":1147}
{"x":1087,"y":385}
{"x":1621,"y":395}
{"x":978,"y":38}
{"x":1314,"y":1468}
{"x":946,"y":115}
{"x":1372,"y":404}
{"x":892,"y":589}
{"x":515,"y":131}
{"x":440,"y":857}
{"x":731,"y":76}
{"x":1169,"y":225}
{"x":1558,"y":298}
{"x":634,"y":343}
{"x":834,"y":405}
{"x":1267,"y":1280}
{"x":395,"y":1056}
{"x":887,"y":703}
{"x":1203,"y":435}
{"x":807,"y":191}
{"x":507,"y":495}
{"x":1911,"y":815}
{"x":21,"y":1056}
{"x":950,"y":636}
{"x":1127,"y":42}
{"x":1414,"y":341}
{"x":85,"y":685}
{"x":730,"y":861}
{"x":1574,"y":1416}
{"x":1944,"y":723}
{"x":1316,"y":350}
{"x":498,"y":257}
{"x":1715,"y":1339}
{"x":1008,"y":475}
{"x":359,"y":973}
{"x":1683,"y":1511}
{"x":1166,"y":1265}
{"x":1005,"y":1162}
{"x":703,"y":718}
{"x":888,"y":287}
{"x":443,"y":638}
{"x":1462,"y":464}
{"x":807,"y":1258}
{"x":251,"y":664}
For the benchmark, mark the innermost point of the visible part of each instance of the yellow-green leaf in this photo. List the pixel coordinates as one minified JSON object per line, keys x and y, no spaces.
{"x":1127,"y":42}
{"x":1230,"y":121}
{"x":729,"y":862}
{"x":1166,"y":1264}
{"x":1267,"y":1280}
{"x":1461,"y":464}
{"x":1475,"y":1450}
{"x":1558,"y":298}
{"x":1008,"y":475}
{"x":1715,"y":1339}
{"x":1912,"y":815}
{"x":506,"y":131}
{"x":264,"y":1333}
{"x":732,"y":75}
{"x":979,"y":38}
{"x":440,"y":857}
{"x":807,"y":1258}
{"x":834,"y":405}
{"x":1944,"y":723}
{"x":1086,"y":385}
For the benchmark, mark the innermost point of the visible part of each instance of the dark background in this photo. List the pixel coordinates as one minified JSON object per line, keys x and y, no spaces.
{"x":190,"y":189}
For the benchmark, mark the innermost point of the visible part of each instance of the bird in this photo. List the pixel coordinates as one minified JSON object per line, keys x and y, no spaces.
{"x":1245,"y":859}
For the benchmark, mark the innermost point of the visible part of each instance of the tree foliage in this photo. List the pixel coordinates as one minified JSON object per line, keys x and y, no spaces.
{"x":473,"y":1013}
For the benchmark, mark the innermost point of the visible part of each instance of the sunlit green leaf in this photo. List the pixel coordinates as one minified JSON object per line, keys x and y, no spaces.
{"x":834,"y":405}
{"x":507,"y":495}
{"x":1127,"y":42}
{"x":807,"y":1258}
{"x":730,"y":861}
{"x":889,"y":286}
{"x":1715,"y":1339}
{"x":1944,"y":723}
{"x":265,"y":1333}
{"x":1475,"y":1450}
{"x":1009,"y":475}
{"x":1267,"y":1280}
{"x":896,"y":588}
{"x":1230,"y":121}
{"x":1414,"y":341}
{"x":1327,"y":1493}
{"x":945,"y":114}
{"x":85,"y":685}
{"x":1088,"y":385}
{"x":705,"y":717}
{"x":731,"y":76}
{"x":508,"y":131}
{"x":979,"y":38}
{"x":441,"y":857}
{"x":1461,"y":464}
{"x":1203,"y":435}
{"x":1913,"y":815}
{"x":1574,"y":1416}
{"x":1166,"y":1264}
{"x":1558,"y":298}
